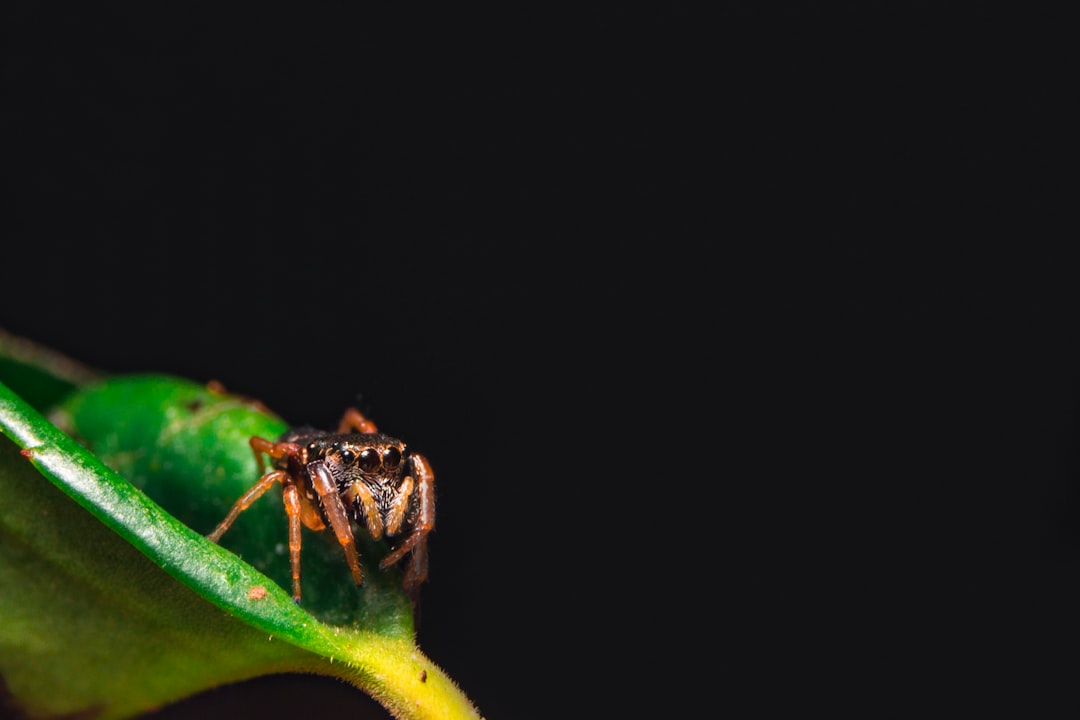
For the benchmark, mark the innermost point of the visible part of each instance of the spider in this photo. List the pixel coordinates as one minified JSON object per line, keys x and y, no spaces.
{"x":356,"y":474}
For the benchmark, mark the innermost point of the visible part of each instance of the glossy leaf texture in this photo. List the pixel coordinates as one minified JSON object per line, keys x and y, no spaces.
{"x":115,"y":603}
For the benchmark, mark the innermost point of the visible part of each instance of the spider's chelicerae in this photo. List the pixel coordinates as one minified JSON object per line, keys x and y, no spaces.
{"x":357,"y":473}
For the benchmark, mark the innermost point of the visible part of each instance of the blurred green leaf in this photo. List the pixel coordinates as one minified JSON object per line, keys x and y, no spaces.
{"x":117,"y":607}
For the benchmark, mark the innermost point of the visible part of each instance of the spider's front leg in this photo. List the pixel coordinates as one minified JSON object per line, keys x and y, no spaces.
{"x":296,"y":508}
{"x":335,"y":513}
{"x":258,"y":446}
{"x":246,"y":500}
{"x":417,"y":570}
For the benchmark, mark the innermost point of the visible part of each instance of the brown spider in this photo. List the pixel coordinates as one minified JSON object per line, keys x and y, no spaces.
{"x":332,"y":478}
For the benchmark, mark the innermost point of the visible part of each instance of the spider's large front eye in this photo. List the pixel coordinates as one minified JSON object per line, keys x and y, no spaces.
{"x":391,"y":457}
{"x":369,"y":459}
{"x":347,"y":456}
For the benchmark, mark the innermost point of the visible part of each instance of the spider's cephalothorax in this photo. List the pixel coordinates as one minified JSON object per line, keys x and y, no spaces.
{"x":334,"y":478}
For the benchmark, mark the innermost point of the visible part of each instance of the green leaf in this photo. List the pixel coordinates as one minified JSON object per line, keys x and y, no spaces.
{"x":118,"y":606}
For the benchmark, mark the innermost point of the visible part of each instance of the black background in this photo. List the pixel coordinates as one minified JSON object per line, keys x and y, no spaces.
{"x":734,"y":333}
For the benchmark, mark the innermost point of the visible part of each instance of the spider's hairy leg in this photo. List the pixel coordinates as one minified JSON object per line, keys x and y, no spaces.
{"x":275,"y":450}
{"x":360,"y":495}
{"x":354,"y":420}
{"x":335,"y":513}
{"x":246,"y":500}
{"x":417,"y":570}
{"x":291,"y":497}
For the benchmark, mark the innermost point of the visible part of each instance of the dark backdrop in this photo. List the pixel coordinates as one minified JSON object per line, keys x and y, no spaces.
{"x":723,"y":333}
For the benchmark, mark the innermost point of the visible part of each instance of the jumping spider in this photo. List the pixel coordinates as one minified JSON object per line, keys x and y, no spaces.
{"x":357,"y":474}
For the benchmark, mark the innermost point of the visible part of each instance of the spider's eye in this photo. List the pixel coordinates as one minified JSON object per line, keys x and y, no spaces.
{"x":347,"y":456}
{"x":391,"y":457}
{"x":313,"y":447}
{"x":369,"y":459}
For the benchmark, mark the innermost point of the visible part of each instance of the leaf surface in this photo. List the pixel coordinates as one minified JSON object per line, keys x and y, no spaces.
{"x":115,"y":605}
